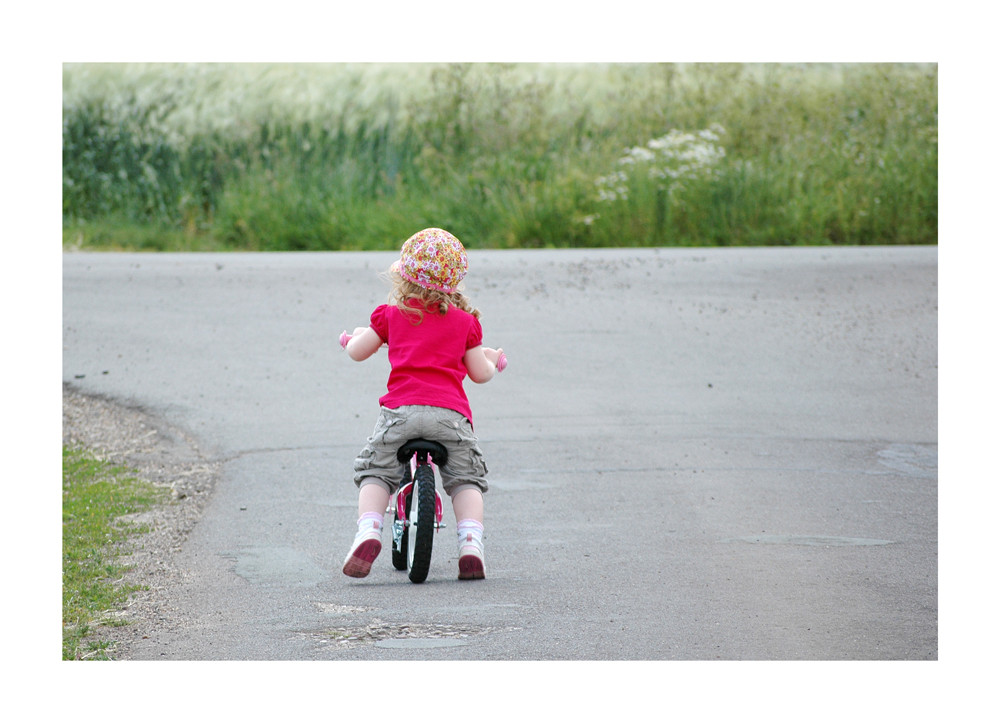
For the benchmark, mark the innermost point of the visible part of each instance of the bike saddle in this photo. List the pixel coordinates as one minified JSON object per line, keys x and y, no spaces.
{"x":425,"y":446}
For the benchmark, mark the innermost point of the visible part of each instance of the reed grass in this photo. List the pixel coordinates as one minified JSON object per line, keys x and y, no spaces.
{"x":317,"y":157}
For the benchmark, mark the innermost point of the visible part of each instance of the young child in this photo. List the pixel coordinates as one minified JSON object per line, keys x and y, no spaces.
{"x":434,"y":340}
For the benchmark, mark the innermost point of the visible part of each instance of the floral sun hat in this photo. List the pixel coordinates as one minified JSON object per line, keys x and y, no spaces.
{"x":433,"y":259}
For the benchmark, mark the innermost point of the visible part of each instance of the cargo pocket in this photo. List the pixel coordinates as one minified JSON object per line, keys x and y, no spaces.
{"x":388,"y":428}
{"x":465,"y":459}
{"x":479,"y":461}
{"x":458,"y":429}
{"x":364,"y":459}
{"x":377,"y":459}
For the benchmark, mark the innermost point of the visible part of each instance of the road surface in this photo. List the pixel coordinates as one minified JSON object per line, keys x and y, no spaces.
{"x":695,"y":454}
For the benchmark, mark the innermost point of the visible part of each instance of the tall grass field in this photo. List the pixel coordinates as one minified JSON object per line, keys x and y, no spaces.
{"x":359,"y":156}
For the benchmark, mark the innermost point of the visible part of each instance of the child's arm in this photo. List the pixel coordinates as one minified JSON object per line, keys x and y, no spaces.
{"x":482,"y":363}
{"x":362,"y":343}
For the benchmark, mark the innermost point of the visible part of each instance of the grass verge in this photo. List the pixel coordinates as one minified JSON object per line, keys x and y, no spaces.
{"x":98,"y":499}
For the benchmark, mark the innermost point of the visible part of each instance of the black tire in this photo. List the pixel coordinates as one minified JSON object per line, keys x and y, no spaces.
{"x":420,"y":534}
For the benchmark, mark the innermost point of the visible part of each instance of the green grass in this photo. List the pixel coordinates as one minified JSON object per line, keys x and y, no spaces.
{"x":96,"y":498}
{"x":348,"y":156}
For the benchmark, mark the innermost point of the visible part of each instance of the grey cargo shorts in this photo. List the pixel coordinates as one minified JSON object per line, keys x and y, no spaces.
{"x":377,"y":462}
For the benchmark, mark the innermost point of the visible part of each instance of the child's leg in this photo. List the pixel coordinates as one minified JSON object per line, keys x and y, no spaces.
{"x":468,"y":505}
{"x":372,"y":501}
{"x":464,"y":478}
{"x":373,"y":497}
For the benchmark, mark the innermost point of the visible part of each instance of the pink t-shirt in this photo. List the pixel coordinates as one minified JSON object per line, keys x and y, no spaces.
{"x":427,"y":358}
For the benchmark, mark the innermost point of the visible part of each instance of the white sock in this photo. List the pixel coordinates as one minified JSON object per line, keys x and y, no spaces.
{"x":369,"y":521}
{"x":470,"y":532}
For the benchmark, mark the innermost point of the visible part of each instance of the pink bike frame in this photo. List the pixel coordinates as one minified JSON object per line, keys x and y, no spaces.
{"x":407,"y":489}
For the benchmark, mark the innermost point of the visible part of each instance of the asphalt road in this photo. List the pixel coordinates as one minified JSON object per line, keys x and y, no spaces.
{"x":694,"y":454}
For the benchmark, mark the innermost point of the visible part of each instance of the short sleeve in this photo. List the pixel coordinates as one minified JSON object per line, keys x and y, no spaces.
{"x":475,"y":337}
{"x":380,"y":322}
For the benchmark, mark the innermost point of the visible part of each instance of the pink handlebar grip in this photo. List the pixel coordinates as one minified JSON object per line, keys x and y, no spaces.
{"x":344,"y":338}
{"x":501,"y":362}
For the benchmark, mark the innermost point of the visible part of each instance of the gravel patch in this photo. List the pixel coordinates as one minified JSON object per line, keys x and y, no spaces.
{"x":128,"y":435}
{"x":378,"y":632}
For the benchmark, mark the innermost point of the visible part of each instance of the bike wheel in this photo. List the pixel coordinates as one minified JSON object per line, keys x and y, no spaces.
{"x":420,"y":534}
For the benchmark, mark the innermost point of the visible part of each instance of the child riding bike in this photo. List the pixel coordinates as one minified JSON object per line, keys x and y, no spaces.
{"x":434,"y":341}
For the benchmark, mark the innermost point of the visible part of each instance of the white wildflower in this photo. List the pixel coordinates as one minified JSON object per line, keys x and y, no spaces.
{"x":670,"y":158}
{"x":637,"y":155}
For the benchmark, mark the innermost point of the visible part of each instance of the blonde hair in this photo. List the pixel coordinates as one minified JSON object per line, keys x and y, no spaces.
{"x":404,"y":291}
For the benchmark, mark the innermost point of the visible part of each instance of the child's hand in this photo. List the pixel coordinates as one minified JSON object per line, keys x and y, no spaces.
{"x":496,"y":356}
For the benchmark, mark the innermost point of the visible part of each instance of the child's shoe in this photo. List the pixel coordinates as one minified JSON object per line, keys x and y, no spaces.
{"x":470,"y":553}
{"x":367,"y":546}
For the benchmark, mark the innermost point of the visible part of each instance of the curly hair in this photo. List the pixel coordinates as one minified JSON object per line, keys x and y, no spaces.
{"x":404,"y":291}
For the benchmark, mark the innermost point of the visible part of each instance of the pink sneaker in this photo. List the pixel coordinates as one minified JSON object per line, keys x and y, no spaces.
{"x":470,"y":559}
{"x":367,"y":546}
